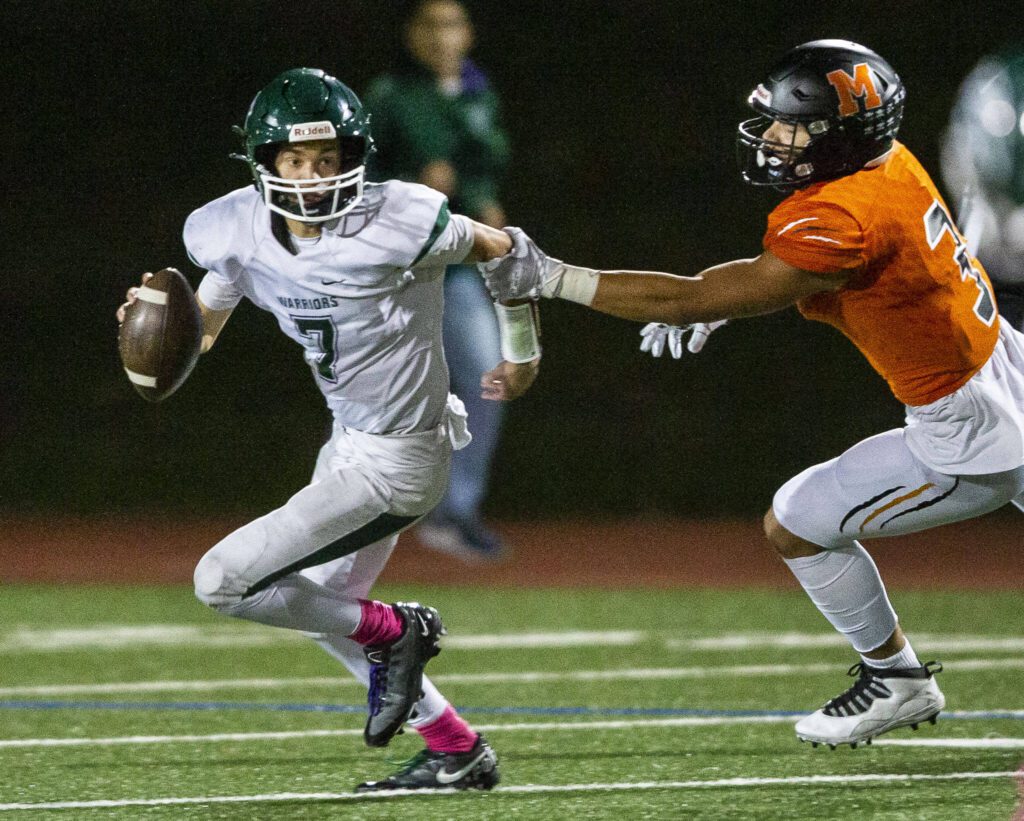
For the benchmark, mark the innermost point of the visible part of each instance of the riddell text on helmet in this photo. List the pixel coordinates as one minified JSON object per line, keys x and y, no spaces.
{"x":323,"y":130}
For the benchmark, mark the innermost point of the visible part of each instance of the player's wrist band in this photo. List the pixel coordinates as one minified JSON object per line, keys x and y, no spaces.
{"x":520,"y":341}
{"x":572,"y":283}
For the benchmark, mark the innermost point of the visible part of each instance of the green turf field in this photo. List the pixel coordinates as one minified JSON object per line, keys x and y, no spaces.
{"x":139,"y":703}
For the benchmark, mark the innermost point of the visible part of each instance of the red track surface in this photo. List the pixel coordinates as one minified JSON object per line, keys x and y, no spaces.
{"x":986,"y":553}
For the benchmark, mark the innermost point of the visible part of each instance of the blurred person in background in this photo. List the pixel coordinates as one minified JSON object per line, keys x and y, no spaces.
{"x":435,"y":121}
{"x":983,"y":167}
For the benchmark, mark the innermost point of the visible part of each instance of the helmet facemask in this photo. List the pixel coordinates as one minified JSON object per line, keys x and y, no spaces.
{"x":318,"y":199}
{"x":778,"y":164}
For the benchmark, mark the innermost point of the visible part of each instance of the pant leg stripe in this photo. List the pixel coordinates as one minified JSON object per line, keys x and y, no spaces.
{"x":897,"y":501}
{"x":923,"y":505}
{"x":868,"y":503}
{"x":374,"y":531}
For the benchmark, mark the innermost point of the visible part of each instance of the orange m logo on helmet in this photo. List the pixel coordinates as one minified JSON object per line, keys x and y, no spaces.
{"x":850,"y":89}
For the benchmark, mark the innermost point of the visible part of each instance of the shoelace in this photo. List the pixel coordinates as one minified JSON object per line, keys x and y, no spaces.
{"x":859,"y":697}
{"x":378,"y":688}
{"x":409,"y":764}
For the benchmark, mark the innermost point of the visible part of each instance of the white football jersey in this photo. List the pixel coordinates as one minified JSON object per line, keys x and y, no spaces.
{"x":364,"y":300}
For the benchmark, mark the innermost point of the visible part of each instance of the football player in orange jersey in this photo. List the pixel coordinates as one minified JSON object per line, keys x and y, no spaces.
{"x":865,"y":243}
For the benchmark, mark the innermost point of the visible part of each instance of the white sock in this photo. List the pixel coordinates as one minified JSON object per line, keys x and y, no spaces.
{"x":845,"y":586}
{"x":902,"y":660}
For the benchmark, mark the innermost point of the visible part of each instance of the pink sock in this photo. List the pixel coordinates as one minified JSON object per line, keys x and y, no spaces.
{"x":448,"y":733}
{"x":378,"y":623}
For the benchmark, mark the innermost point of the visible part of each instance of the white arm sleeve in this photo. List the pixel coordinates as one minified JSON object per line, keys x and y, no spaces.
{"x":210,"y":236}
{"x":217,"y":293}
{"x":452,"y":245}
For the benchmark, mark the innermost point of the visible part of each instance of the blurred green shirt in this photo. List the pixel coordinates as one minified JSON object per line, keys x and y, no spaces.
{"x":414,"y":123}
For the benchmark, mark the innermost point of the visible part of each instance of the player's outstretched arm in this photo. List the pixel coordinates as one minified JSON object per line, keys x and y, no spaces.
{"x":744,"y":287}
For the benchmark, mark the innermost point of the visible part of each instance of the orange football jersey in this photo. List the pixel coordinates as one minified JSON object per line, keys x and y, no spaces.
{"x":916,"y":304}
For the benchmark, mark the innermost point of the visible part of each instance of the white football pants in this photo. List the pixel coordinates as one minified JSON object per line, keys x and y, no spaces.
{"x":879,"y":488}
{"x":365,"y":489}
{"x":876,"y":488}
{"x":285,"y":569}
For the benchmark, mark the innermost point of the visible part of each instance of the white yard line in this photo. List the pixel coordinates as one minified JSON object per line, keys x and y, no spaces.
{"x":536,"y":726}
{"x":110,"y":688}
{"x":529,"y":789}
{"x":522,"y":677}
{"x":119,"y":637}
{"x":531,"y":726}
{"x":954,"y":743}
{"x":930,"y":643}
{"x":568,"y":638}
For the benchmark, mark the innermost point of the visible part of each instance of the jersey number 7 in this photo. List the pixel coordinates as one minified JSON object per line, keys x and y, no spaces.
{"x":936,"y":223}
{"x":321,"y":332}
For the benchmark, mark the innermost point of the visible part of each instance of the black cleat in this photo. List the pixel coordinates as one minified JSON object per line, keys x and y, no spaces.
{"x":396,"y":671}
{"x":431,"y":770}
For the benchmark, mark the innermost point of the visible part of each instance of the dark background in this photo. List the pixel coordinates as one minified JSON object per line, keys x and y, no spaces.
{"x":622,"y":115}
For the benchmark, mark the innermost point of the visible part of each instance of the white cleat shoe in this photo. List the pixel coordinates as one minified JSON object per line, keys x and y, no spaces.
{"x":878,"y":701}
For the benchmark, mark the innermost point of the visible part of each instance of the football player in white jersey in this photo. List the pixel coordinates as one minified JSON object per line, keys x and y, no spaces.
{"x":353,"y":272}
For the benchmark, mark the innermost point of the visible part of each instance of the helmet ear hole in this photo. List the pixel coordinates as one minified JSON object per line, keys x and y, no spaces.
{"x":265,"y":155}
{"x":353,"y":152}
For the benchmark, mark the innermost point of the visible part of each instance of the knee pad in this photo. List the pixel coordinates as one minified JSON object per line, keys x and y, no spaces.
{"x":225,"y":572}
{"x":209,"y":580}
{"x":786,"y":507}
{"x":806,"y":511}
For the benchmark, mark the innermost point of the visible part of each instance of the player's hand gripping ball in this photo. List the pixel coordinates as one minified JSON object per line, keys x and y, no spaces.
{"x":160,"y":335}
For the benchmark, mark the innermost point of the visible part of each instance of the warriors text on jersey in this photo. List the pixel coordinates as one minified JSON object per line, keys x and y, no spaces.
{"x":916,"y":304}
{"x":364,"y":300}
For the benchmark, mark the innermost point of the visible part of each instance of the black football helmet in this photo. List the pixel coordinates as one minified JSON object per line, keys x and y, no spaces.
{"x":847,"y":97}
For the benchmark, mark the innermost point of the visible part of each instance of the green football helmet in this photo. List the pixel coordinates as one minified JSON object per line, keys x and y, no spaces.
{"x":299,"y":105}
{"x":987,"y":128}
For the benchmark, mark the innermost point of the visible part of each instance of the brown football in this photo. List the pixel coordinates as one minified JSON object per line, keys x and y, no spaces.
{"x":161,"y":335}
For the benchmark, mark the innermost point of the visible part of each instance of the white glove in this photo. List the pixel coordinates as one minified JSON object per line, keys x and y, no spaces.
{"x":521,"y":273}
{"x":656,"y":335}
